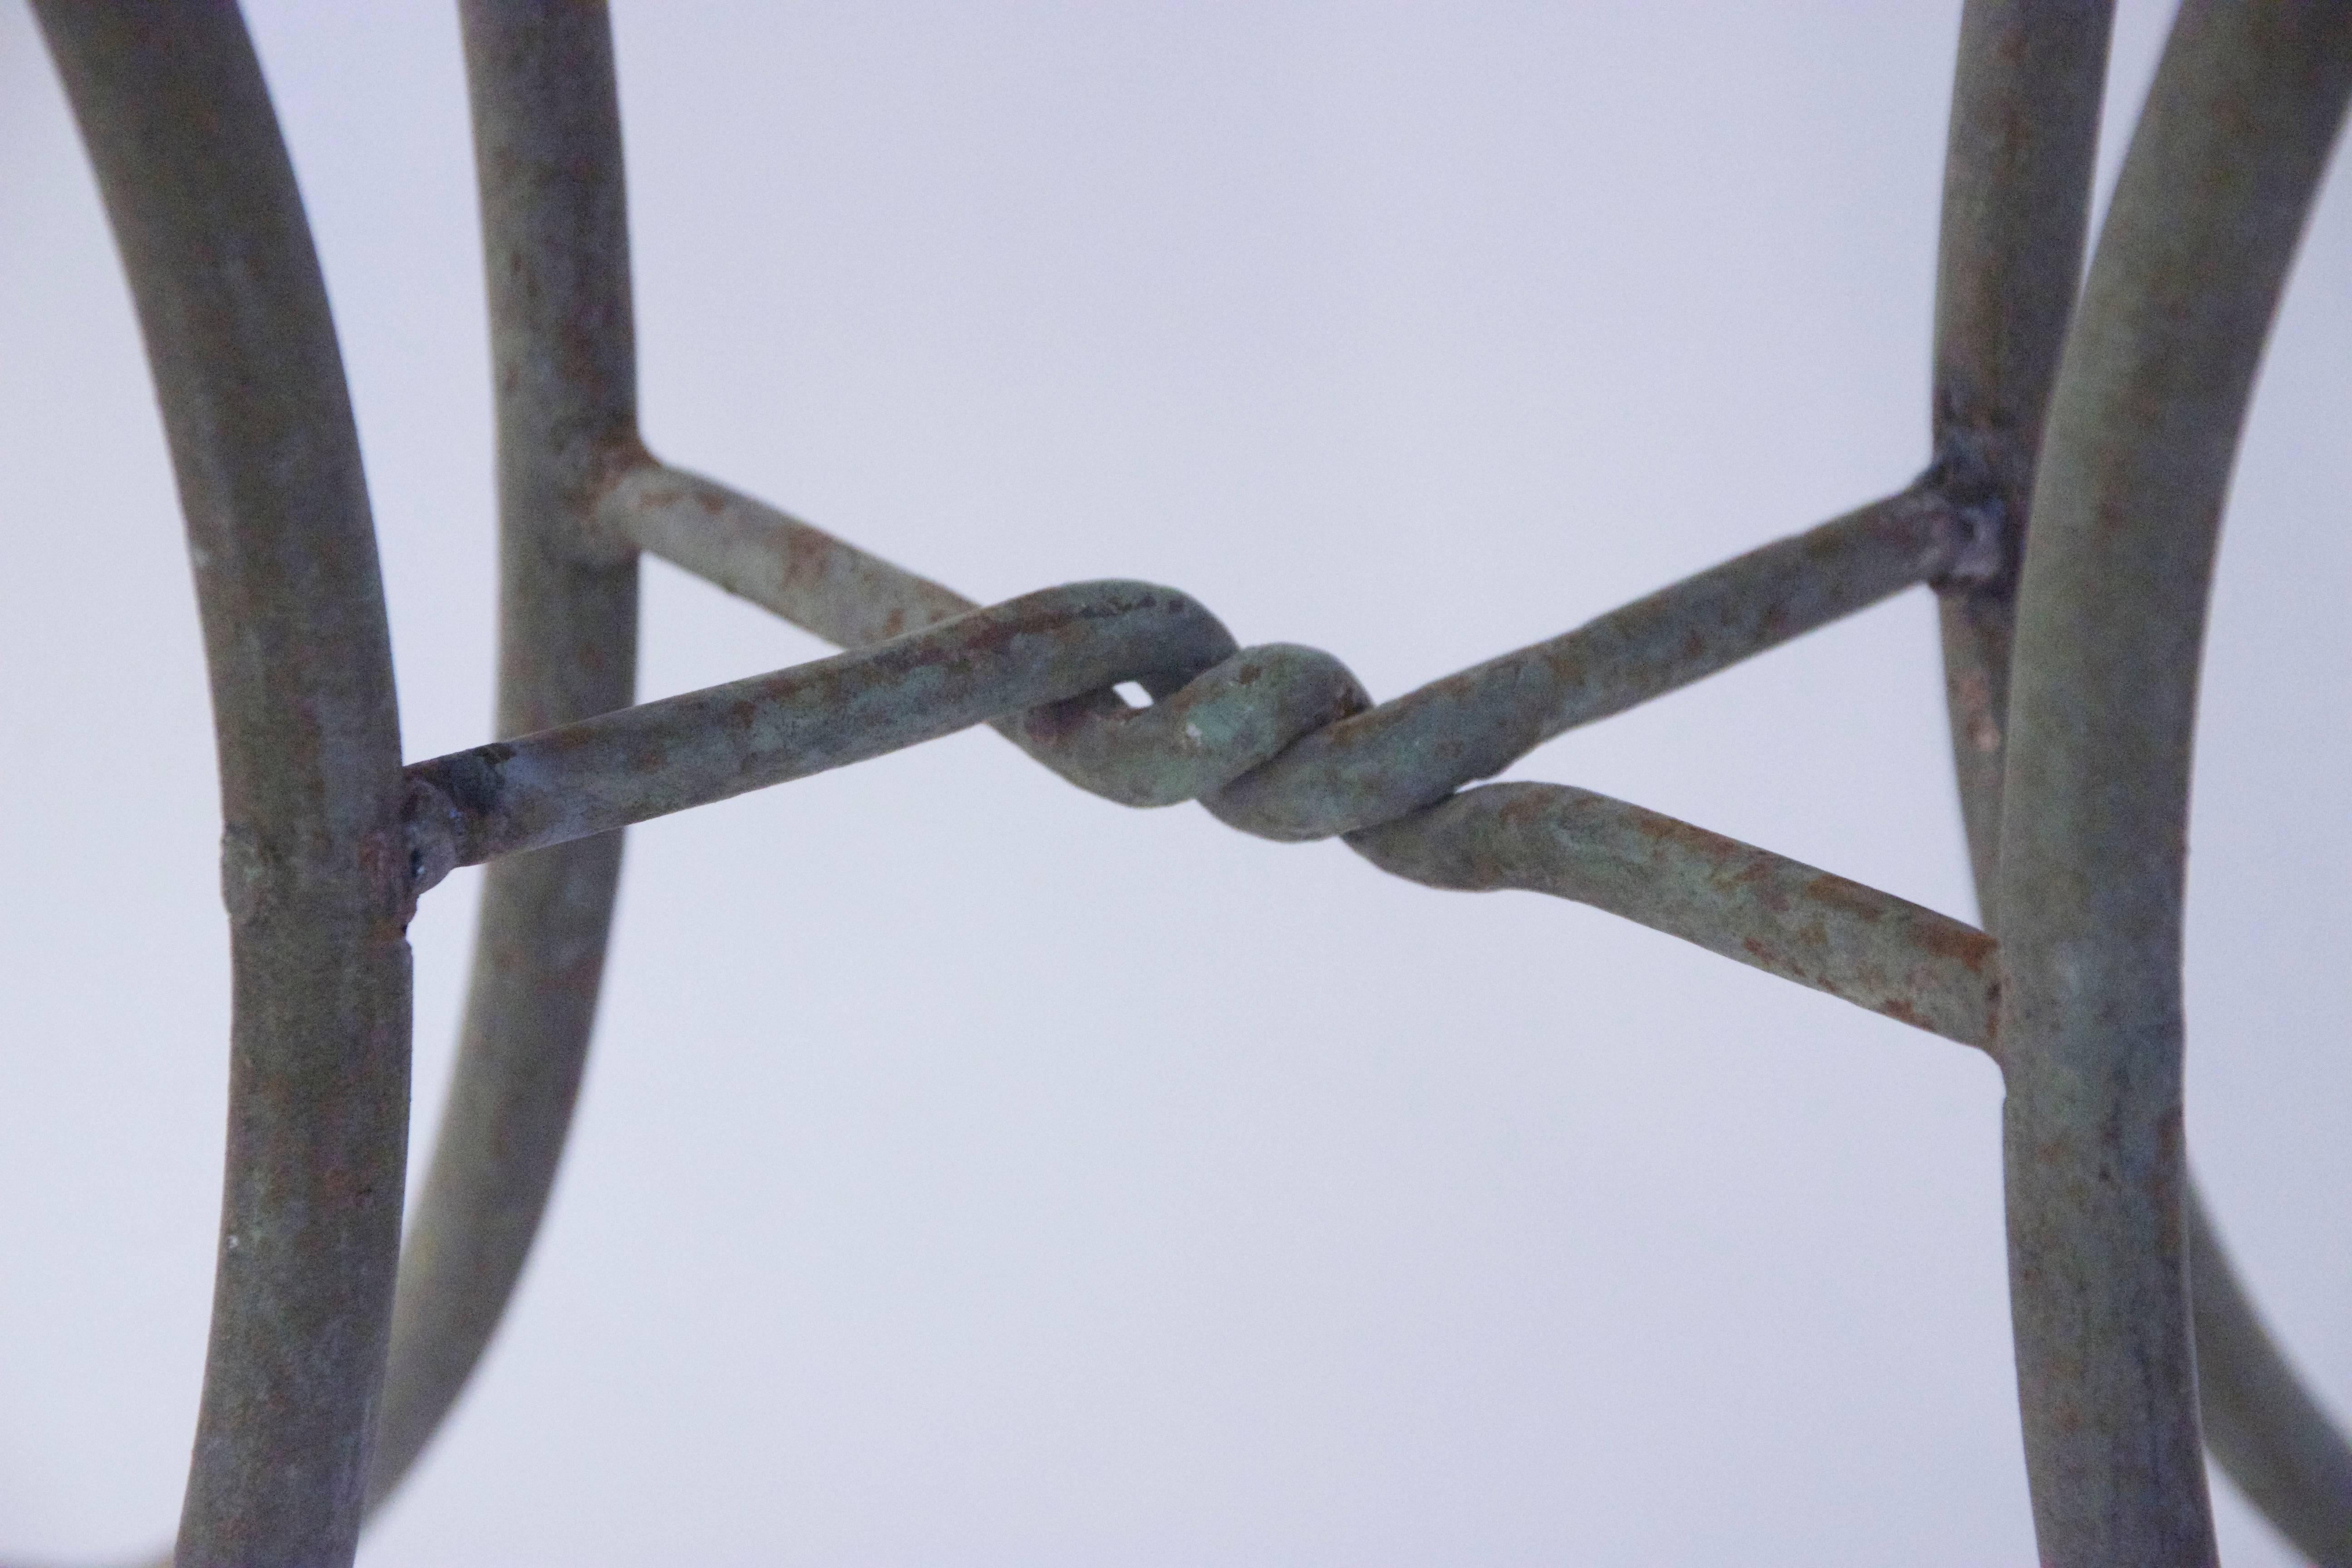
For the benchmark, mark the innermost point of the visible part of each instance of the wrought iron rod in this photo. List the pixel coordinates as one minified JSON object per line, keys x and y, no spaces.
{"x":1764,"y":909}
{"x":2016,"y":209}
{"x":1413,"y":751}
{"x":1871,"y":948}
{"x":2143,"y":428}
{"x":203,"y":202}
{"x":795,"y":570}
{"x":327,"y":842}
{"x":2016,"y":188}
{"x":547,"y":151}
{"x":602,"y":773}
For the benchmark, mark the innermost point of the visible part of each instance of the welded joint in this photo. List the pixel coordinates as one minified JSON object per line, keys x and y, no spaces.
{"x":1978,"y":481}
{"x":432,"y":829}
{"x":1974,"y":539}
{"x":600,"y":539}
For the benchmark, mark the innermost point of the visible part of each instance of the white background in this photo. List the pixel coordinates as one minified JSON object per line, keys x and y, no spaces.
{"x":972,"y":1172}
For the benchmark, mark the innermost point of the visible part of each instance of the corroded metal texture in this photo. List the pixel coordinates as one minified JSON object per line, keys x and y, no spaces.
{"x":851,"y":598}
{"x":1785,"y":918}
{"x":2017,"y":192}
{"x":1746,"y":903}
{"x":203,"y":204}
{"x":595,"y":776}
{"x":1240,"y":724}
{"x":1410,"y":753}
{"x":602,"y":773}
{"x":547,"y":149}
{"x":1373,"y":764}
{"x":2143,"y":429}
{"x":827,"y":586}
{"x":2017,"y":195}
{"x":2073,"y":802}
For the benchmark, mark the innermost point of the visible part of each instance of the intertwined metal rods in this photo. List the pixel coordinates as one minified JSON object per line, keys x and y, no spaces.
{"x":2111,"y":422}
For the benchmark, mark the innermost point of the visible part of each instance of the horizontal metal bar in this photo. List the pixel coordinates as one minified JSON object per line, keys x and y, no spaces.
{"x":1778,"y":915}
{"x":1031,"y":653}
{"x":600,"y":773}
{"x":1372,"y":770}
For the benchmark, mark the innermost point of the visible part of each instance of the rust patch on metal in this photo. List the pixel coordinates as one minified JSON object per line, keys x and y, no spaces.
{"x":1847,"y":898}
{"x":1949,"y":939}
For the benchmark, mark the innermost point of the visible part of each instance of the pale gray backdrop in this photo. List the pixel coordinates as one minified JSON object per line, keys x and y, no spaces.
{"x":973,"y":1171}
